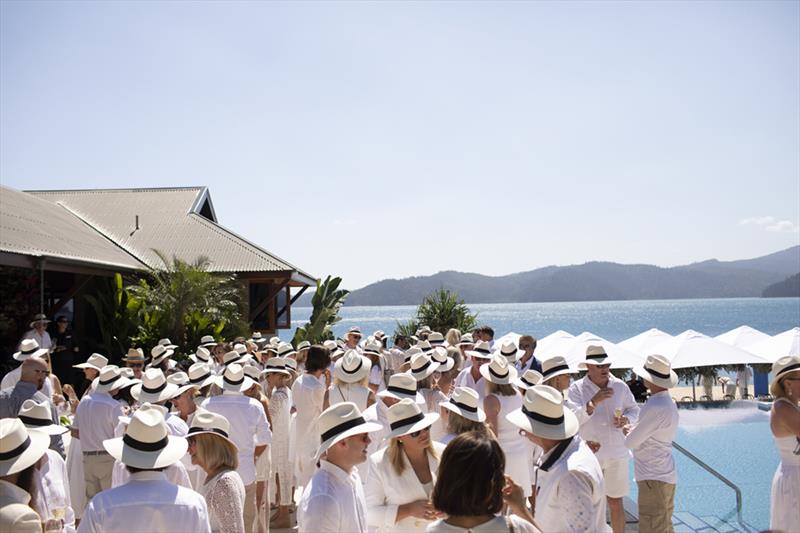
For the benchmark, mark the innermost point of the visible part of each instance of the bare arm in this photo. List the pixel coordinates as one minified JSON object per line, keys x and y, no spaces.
{"x":491,"y":405}
{"x":786,"y":418}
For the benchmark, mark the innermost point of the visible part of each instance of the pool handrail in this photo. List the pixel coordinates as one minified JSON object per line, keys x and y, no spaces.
{"x":719,"y":476}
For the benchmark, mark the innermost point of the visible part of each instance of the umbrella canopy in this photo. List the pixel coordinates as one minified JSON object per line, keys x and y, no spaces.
{"x":574,"y":351}
{"x":643,"y":343}
{"x":549,"y":346}
{"x":742,"y":337}
{"x":782,"y":344}
{"x":691,"y":348}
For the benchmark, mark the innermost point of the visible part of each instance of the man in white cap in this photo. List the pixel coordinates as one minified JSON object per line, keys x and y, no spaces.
{"x":333,"y":500}
{"x":28,"y":348}
{"x":568,"y":481}
{"x":651,"y":442}
{"x":249,"y":429}
{"x":148,"y":503}
{"x":604,"y":405}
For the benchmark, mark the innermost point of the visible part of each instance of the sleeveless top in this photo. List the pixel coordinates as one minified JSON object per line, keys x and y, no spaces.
{"x":507,"y":433}
{"x":787,"y":445}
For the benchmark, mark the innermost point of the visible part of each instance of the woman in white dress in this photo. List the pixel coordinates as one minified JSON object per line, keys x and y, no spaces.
{"x":212,"y":450}
{"x":377,"y":378}
{"x":350,"y":376}
{"x":785,"y":426}
{"x":308,"y":393}
{"x":263,"y":461}
{"x":401,"y":475}
{"x":280,"y":410}
{"x":426,"y":369}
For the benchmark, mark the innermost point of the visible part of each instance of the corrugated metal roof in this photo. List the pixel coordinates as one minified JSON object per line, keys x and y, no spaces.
{"x":33,"y":226}
{"x":169,"y":221}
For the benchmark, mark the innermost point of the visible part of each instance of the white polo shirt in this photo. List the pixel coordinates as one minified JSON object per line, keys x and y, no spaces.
{"x":465,"y":379}
{"x":651,"y":440}
{"x":333,"y":501}
{"x":96,"y":417}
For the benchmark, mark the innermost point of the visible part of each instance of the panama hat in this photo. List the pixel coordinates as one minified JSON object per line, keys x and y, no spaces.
{"x":464,"y":402}
{"x":154,"y":387}
{"x":200,"y":375}
{"x":499,"y":371}
{"x":178,"y":378}
{"x":422,"y":366}
{"x":406,"y":417}
{"x":436,"y":338}
{"x":555,"y":366}
{"x":425,"y":346}
{"x":656,"y":370}
{"x":257,"y":337}
{"x":232,"y":357}
{"x":354,"y":330}
{"x":159,"y":354}
{"x":330,"y":345}
{"x":543,"y":414}
{"x":466,"y":340}
{"x":402,"y":386}
{"x":439,"y":355}
{"x":595,"y":355}
{"x":291,"y":364}
{"x":95,"y":361}
{"x":20,"y":448}
{"x":510,"y":352}
{"x":276,"y":365}
{"x":234,"y":379}
{"x":286,"y":350}
{"x":379,"y":335}
{"x":481,"y":350}
{"x":423,"y":329}
{"x":166,"y":343}
{"x":135,"y":355}
{"x":147,"y":443}
{"x":528,"y":379}
{"x":240,"y":348}
{"x":305,"y":345}
{"x":208,"y":341}
{"x":352,"y":367}
{"x":29,"y":348}
{"x":340,"y":421}
{"x":37,"y":416}
{"x":409,"y":354}
{"x":110,"y":379}
{"x":780,"y":368}
{"x":373,"y":347}
{"x":209,"y":423}
{"x":202,"y":355}
{"x":252,"y":372}
{"x":40,"y":317}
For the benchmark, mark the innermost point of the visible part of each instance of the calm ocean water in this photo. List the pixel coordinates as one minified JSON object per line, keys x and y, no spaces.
{"x":615,"y":321}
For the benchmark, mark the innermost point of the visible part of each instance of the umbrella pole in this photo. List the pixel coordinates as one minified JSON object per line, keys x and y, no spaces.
{"x":694,"y":394}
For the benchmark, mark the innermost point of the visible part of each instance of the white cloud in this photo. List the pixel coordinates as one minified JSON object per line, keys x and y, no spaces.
{"x":759,"y":221}
{"x":771,"y":224}
{"x":784,"y":226}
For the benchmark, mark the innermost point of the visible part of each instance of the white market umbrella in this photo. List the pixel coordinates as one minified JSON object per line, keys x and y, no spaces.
{"x":574,"y":351}
{"x":643,"y":343}
{"x":782,"y":344}
{"x":742,"y":337}
{"x":550,"y":345}
{"x":691,"y":348}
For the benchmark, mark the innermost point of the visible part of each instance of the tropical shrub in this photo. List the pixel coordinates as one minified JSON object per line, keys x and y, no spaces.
{"x":326,"y":302}
{"x":440,"y":311}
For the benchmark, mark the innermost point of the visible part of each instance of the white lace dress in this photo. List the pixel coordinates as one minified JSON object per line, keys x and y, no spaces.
{"x":224,"y":494}
{"x":280,"y":410}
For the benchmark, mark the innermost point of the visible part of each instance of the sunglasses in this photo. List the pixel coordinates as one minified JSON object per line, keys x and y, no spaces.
{"x":420,"y":432}
{"x":135,"y":365}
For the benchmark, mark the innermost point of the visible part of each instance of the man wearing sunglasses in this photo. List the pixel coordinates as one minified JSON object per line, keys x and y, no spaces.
{"x":135,"y":360}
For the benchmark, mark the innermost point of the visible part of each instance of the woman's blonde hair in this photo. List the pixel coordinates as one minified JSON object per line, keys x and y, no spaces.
{"x":506,"y":389}
{"x":778,"y":390}
{"x":364,"y":382}
{"x":453,"y":336}
{"x":396,"y":455}
{"x":425,"y":383}
{"x":215,"y":452}
{"x":457,"y":424}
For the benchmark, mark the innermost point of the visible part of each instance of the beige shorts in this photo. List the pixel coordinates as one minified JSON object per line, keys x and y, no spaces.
{"x":615,"y":474}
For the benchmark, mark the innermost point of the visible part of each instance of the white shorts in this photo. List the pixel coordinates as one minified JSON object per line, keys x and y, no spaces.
{"x":615,"y":474}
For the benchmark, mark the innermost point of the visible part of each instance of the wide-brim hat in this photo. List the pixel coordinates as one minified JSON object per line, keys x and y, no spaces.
{"x":340,"y":421}
{"x":277,"y":365}
{"x":595,"y":355}
{"x":555,"y":366}
{"x":37,"y":416}
{"x":134,"y":354}
{"x":286,"y":350}
{"x":166,"y":343}
{"x":510,"y":351}
{"x":465,"y":402}
{"x":657,"y":370}
{"x":406,"y":417}
{"x":95,"y":361}
{"x":147,"y":443}
{"x":304,"y":345}
{"x":373,"y":347}
{"x":208,"y":341}
{"x":352,"y":367}
{"x":154,"y":387}
{"x":424,"y":346}
{"x":499,"y":371}
{"x":528,"y":379}
{"x":110,"y":379}
{"x":39,"y":318}
{"x":466,"y":340}
{"x":210,"y":423}
{"x":439,"y":355}
{"x":780,"y":368}
{"x":543,"y":414}
{"x":159,"y":353}
{"x":481,"y":350}
{"x":202,"y":355}
{"x":234,"y":379}
{"x":200,"y":375}
{"x":20,"y":448}
{"x":422,"y":366}
{"x":232,"y":357}
{"x":29,"y":348}
{"x":436,"y":339}
{"x":402,"y":386}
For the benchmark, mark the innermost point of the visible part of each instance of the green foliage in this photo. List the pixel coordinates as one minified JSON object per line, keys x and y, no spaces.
{"x":440,"y":311}
{"x":115,"y":310}
{"x":326,"y":302}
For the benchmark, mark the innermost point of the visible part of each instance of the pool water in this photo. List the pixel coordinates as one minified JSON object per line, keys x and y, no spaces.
{"x":737,"y":443}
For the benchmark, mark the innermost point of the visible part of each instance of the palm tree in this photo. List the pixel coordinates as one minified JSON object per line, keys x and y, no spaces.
{"x":326,"y":302}
{"x":440,"y":311}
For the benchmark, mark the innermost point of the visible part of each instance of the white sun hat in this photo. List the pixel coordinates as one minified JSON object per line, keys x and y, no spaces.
{"x":40,"y":317}
{"x":439,"y":355}
{"x":20,"y":448}
{"x":481,"y":350}
{"x":207,"y":422}
{"x":543,"y":414}
{"x":340,"y":421}
{"x":231,"y":357}
{"x":657,"y":370}
{"x":402,"y":386}
{"x":166,"y":343}
{"x":499,"y":371}
{"x":425,"y":346}
{"x":465,"y":402}
{"x":234,"y":379}
{"x":201,"y":355}
{"x":110,"y":378}
{"x":159,"y":353}
{"x":200,"y":375}
{"x":510,"y":351}
{"x":780,"y":368}
{"x":304,"y":345}
{"x":147,"y":443}
{"x":95,"y":361}
{"x":528,"y":379}
{"x":37,"y":416}
{"x":29,"y":348}
{"x":252,"y":372}
{"x":422,"y":366}
{"x":436,"y":339}
{"x":277,"y":365}
{"x":409,"y":354}
{"x":406,"y":417}
{"x":154,"y":387}
{"x":352,"y":367}
{"x":373,"y":347}
{"x":555,"y":366}
{"x":595,"y":355}
{"x":291,"y":364}
{"x":208,"y":341}
{"x":286,"y":350}
{"x":466,"y":340}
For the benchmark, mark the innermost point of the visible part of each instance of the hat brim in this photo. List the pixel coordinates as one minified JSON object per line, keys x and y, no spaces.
{"x":559,"y":373}
{"x":45,"y":320}
{"x":480,"y":355}
{"x":478,"y":416}
{"x":568,"y":428}
{"x":194,"y":358}
{"x":447,"y":366}
{"x":366,"y":427}
{"x":225,"y":386}
{"x":341,"y":375}
{"x":119,"y":383}
{"x":169,"y":392}
{"x":52,"y":429}
{"x":275,"y":371}
{"x":210,"y":380}
{"x":228,"y":440}
{"x":419,"y":376}
{"x":391,"y":394}
{"x":41,"y":352}
{"x":521,"y":384}
{"x":594,"y":362}
{"x":513,"y":358}
{"x":40,"y":441}
{"x":661,"y":382}
{"x":208,"y":344}
{"x":171,"y":453}
{"x":84,"y":366}
{"x":488,"y":376}
{"x":427,"y":421}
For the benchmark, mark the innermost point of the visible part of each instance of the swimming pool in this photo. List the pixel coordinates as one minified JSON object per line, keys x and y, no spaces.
{"x":735,"y":441}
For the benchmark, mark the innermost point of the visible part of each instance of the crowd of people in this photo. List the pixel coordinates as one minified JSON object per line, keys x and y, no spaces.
{"x":442,"y":432}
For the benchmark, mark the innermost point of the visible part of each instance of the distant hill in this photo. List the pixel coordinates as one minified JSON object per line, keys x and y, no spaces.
{"x":788,"y":287}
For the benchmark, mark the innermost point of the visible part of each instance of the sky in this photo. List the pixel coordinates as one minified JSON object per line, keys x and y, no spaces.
{"x":376,"y":140}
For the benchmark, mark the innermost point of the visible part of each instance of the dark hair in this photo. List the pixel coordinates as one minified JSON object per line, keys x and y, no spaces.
{"x":471,"y":476}
{"x":319,"y":358}
{"x":488,"y":331}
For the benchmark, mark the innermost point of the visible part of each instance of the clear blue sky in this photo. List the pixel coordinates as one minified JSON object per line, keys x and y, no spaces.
{"x":376,"y":140}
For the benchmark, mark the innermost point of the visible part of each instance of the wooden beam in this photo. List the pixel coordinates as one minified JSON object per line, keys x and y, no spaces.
{"x":293,"y":300}
{"x":266,"y":301}
{"x":76,"y":287}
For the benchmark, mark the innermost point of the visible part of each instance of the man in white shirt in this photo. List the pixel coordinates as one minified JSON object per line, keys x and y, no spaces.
{"x":148,"y":503}
{"x":604,"y":405}
{"x":333,"y":501}
{"x":471,"y":376}
{"x":249,"y":429}
{"x":651,"y":442}
{"x":528,"y":361}
{"x":28,"y":348}
{"x":569,"y":490}
{"x":38,"y":332}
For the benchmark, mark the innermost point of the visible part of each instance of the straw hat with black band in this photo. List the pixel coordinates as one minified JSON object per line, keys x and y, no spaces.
{"x":439,"y":355}
{"x":543,"y":414}
{"x":200,"y":375}
{"x":20,"y":448}
{"x":510,"y":351}
{"x":528,"y":379}
{"x":37,"y":416}
{"x":110,"y":379}
{"x":352,"y":367}
{"x":555,"y":366}
{"x":480,"y":350}
{"x":147,"y":443}
{"x":595,"y":355}
{"x":340,"y":421}
{"x":422,"y":366}
{"x":499,"y":371}
{"x":38,"y":318}
{"x":465,"y":402}
{"x":29,"y":348}
{"x":208,"y":341}
{"x":135,"y":355}
{"x":234,"y":379}
{"x":95,"y":361}
{"x":159,"y":354}
{"x":657,"y":370}
{"x":154,"y":387}
{"x":406,"y":417}
{"x":208,"y":423}
{"x":402,"y":386}
{"x":780,"y":369}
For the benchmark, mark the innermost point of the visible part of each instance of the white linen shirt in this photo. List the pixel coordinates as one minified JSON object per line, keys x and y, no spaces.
{"x":333,"y":501}
{"x":44,"y":339}
{"x":599,"y":426}
{"x":148,"y":503}
{"x":249,"y":428}
{"x":651,"y":440}
{"x":96,"y":417}
{"x":464,"y":379}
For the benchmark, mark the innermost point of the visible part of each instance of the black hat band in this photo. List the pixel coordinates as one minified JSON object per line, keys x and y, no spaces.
{"x":110,"y":381}
{"x":154,"y":390}
{"x":659,"y":374}
{"x":553,"y":370}
{"x":208,"y":430}
{"x":596,"y":356}
{"x":145,"y":446}
{"x":464,"y":406}
{"x":422,"y":368}
{"x":356,"y":369}
{"x":28,"y":352}
{"x":341,"y":428}
{"x":229,"y":381}
{"x":549,"y":420}
{"x":786,"y":369}
{"x":496,"y":374}
{"x":401,"y":390}
{"x":407,"y":421}
{"x":31,"y":421}
{"x":16,"y":452}
{"x":201,"y":378}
